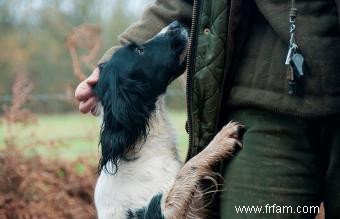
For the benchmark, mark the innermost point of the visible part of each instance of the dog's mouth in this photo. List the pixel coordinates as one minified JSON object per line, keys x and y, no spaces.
{"x":178,"y":35}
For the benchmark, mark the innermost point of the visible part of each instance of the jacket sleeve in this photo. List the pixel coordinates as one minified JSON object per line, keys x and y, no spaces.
{"x":154,"y":18}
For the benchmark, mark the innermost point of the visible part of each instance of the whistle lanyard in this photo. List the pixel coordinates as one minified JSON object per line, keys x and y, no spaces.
{"x":294,"y":59}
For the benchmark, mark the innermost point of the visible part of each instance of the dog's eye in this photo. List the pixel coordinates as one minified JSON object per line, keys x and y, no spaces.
{"x":140,"y":51}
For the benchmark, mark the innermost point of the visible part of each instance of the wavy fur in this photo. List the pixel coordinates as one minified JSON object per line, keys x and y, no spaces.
{"x":127,"y":112}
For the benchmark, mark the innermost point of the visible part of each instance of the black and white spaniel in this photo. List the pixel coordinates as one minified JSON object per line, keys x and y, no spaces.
{"x":141,"y":175}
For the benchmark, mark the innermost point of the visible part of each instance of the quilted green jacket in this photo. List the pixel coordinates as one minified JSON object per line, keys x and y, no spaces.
{"x":219,"y":32}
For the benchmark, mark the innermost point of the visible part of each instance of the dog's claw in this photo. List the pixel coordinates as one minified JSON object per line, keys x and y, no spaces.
{"x":228,"y":139}
{"x":234,"y":130}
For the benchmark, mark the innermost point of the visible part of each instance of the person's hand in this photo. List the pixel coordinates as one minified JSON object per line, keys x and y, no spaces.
{"x":85,"y":95}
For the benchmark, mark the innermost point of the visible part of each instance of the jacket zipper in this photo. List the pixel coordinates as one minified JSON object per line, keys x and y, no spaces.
{"x":190,"y":66}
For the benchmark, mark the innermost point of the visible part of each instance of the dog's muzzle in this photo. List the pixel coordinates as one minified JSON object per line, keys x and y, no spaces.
{"x":175,"y":26}
{"x":178,"y":35}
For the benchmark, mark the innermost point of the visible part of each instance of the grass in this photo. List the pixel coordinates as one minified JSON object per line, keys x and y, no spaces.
{"x":73,"y":135}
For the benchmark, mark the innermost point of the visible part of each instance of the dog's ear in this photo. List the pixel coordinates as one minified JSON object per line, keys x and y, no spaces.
{"x":127,"y":107}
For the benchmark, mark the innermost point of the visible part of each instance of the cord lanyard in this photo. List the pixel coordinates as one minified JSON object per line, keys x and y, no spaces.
{"x":294,"y":59}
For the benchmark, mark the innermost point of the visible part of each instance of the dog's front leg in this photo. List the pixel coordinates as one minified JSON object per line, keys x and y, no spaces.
{"x":178,"y":202}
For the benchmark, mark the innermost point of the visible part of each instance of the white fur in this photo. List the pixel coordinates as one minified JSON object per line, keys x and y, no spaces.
{"x":137,"y":181}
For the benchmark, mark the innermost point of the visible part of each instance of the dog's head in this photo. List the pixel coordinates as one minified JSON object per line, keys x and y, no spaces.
{"x":129,"y":86}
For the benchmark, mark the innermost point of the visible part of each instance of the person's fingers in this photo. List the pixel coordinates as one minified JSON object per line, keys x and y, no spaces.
{"x":93,"y":78}
{"x":83,"y":91}
{"x":88,"y":105}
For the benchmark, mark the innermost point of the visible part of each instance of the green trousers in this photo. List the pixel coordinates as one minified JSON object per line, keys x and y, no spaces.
{"x":288,"y":165}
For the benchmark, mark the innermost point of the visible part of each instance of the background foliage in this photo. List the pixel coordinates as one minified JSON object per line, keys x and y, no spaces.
{"x":48,"y":150}
{"x":32,"y":41}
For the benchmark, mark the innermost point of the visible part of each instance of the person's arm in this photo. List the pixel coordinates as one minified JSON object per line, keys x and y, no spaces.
{"x":154,"y":18}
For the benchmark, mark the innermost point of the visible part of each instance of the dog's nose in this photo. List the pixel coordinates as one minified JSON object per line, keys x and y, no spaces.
{"x":174,"y":25}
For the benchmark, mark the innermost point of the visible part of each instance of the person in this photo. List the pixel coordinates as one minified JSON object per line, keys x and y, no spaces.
{"x":236,"y":71}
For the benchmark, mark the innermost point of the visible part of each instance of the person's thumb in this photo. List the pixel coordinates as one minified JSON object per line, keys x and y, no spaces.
{"x":93,"y":78}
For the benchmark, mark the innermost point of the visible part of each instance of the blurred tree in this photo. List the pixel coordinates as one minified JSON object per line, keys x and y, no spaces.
{"x":33,"y":33}
{"x":32,"y":39}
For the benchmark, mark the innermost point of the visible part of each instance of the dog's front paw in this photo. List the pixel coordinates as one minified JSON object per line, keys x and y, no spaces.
{"x":233,"y":130}
{"x":228,"y":139}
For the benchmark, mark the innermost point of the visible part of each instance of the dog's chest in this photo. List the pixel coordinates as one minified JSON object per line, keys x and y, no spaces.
{"x":135,"y":183}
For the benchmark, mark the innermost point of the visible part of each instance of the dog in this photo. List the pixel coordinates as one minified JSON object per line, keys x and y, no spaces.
{"x":141,"y":175}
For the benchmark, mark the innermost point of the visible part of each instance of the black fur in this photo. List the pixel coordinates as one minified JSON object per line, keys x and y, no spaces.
{"x":128,"y":88}
{"x":152,"y":211}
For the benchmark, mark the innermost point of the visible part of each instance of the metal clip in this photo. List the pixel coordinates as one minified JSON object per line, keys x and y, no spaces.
{"x":292,"y":48}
